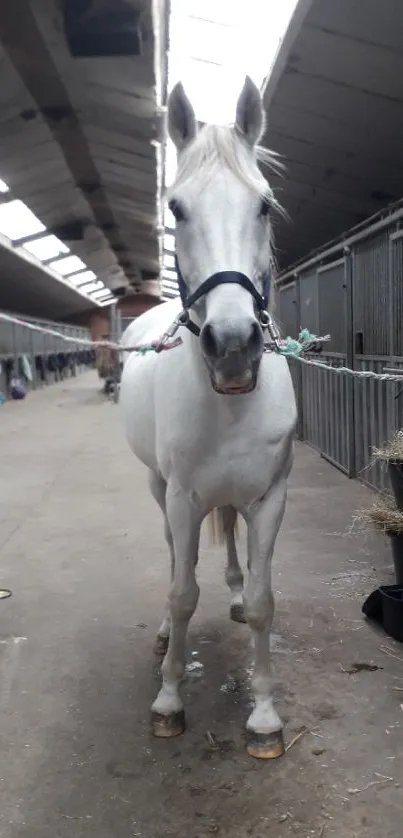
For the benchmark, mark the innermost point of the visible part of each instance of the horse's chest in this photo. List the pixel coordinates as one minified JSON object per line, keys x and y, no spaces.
{"x":224,"y":465}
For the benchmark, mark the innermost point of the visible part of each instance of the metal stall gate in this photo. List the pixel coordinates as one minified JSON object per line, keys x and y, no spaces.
{"x":354,"y":292}
{"x":323,"y":397}
{"x":18,"y":342}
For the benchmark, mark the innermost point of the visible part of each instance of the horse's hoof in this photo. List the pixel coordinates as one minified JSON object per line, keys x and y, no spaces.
{"x":237,"y":613}
{"x":161,"y":646}
{"x":167,"y":727}
{"x":265,"y":745}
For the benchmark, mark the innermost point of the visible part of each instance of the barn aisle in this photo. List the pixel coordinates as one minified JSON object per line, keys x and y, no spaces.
{"x":81,"y":547}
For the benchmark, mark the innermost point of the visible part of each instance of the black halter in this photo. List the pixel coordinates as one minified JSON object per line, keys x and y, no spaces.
{"x":213,"y":281}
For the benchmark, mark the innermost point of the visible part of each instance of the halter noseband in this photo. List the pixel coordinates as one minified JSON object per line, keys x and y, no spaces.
{"x":213,"y":281}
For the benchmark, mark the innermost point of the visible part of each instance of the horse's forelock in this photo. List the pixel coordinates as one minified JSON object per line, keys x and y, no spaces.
{"x":221,"y":145}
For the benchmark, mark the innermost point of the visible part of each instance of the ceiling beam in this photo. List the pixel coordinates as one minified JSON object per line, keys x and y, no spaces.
{"x":24,"y":43}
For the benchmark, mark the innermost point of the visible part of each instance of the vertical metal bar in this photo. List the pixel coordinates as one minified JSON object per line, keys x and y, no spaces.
{"x":391,"y":342}
{"x":390,"y":403}
{"x":298,"y":367}
{"x":373,"y":441}
{"x":324,"y":440}
{"x":115,"y":337}
{"x":32,"y":355}
{"x":350,"y":362}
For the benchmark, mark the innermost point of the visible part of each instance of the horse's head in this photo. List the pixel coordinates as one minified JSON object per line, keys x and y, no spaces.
{"x":222,"y":203}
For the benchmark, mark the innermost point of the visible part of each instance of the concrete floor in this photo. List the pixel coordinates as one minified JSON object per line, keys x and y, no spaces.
{"x":82,"y":549}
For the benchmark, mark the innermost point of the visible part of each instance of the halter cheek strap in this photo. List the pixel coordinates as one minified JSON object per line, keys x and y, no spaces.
{"x":213,"y":281}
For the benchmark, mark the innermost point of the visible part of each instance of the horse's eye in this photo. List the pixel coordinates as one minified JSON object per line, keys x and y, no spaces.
{"x":264,"y":207}
{"x":176,"y":210}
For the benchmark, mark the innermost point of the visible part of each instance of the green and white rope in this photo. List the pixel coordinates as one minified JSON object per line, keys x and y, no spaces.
{"x":290,"y":348}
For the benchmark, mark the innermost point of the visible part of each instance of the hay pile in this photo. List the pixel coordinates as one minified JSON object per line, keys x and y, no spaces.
{"x":384,"y":516}
{"x":392,"y":451}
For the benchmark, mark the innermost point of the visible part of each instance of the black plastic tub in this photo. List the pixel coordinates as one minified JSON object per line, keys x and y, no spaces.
{"x":395,"y":469}
{"x":397,"y":552}
{"x":392,"y":610}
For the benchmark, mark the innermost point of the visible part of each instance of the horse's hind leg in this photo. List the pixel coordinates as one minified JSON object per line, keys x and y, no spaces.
{"x":233,"y":572}
{"x":158,"y":490}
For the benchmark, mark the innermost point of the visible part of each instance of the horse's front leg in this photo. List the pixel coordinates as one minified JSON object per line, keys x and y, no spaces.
{"x":158,"y":489}
{"x":161,"y":643}
{"x":264,"y":726}
{"x":168,"y":718}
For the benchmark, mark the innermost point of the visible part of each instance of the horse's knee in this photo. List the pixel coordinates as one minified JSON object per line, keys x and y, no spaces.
{"x":234,"y":577}
{"x":259,"y":611}
{"x":183,"y":602}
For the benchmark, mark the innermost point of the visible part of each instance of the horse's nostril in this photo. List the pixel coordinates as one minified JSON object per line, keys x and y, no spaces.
{"x":256,"y":337}
{"x":223,"y":340}
{"x":209,"y":342}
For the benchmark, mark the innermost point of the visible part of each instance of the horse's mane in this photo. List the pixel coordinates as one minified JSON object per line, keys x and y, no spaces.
{"x":217,"y":146}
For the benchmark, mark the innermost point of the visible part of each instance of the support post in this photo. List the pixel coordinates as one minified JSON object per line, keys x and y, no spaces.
{"x":350,"y":359}
{"x":298,"y":367}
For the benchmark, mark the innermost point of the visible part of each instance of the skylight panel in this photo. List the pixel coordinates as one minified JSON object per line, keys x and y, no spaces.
{"x":169,"y":219}
{"x":17,"y":221}
{"x":169,"y":242}
{"x":89,"y":287}
{"x":69,"y":265}
{"x":107,"y":301}
{"x":46,"y":247}
{"x":81,"y":279}
{"x":168,"y":274}
{"x":169,"y":260}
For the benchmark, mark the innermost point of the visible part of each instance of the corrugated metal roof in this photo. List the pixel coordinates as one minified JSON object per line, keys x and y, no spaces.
{"x":334,"y":103}
{"x":78,"y":134}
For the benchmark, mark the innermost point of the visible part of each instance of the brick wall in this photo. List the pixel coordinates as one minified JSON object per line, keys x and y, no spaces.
{"x":98,"y":321}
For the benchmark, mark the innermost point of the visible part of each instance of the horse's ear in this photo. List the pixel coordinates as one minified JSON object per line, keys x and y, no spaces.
{"x":249,"y":113}
{"x":182,"y":124}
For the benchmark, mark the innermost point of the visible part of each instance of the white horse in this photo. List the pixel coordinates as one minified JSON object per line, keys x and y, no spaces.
{"x":213,"y":418}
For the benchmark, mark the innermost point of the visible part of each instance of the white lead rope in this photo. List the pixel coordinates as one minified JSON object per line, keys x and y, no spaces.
{"x":106,"y":344}
{"x":354,"y":373}
{"x":100,"y":344}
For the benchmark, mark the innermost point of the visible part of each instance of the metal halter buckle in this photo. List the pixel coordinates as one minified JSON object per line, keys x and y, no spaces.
{"x":182,"y":318}
{"x":264,"y":319}
{"x":267,"y":323}
{"x":172,"y":330}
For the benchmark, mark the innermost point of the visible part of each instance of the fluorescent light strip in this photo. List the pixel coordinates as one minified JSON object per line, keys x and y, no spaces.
{"x":17,"y":221}
{"x":104,"y":289}
{"x":165,"y":296}
{"x":103,"y":292}
{"x":169,"y":261}
{"x":169,"y":283}
{"x":169,"y":219}
{"x":169,"y":242}
{"x":47,"y":247}
{"x":173,"y":288}
{"x":82,"y":278}
{"x":91,"y":287}
{"x":167,"y":273}
{"x":108,"y":301}
{"x":68,"y":265}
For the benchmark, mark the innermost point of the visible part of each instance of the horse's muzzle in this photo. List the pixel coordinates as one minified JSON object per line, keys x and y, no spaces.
{"x":234,"y":384}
